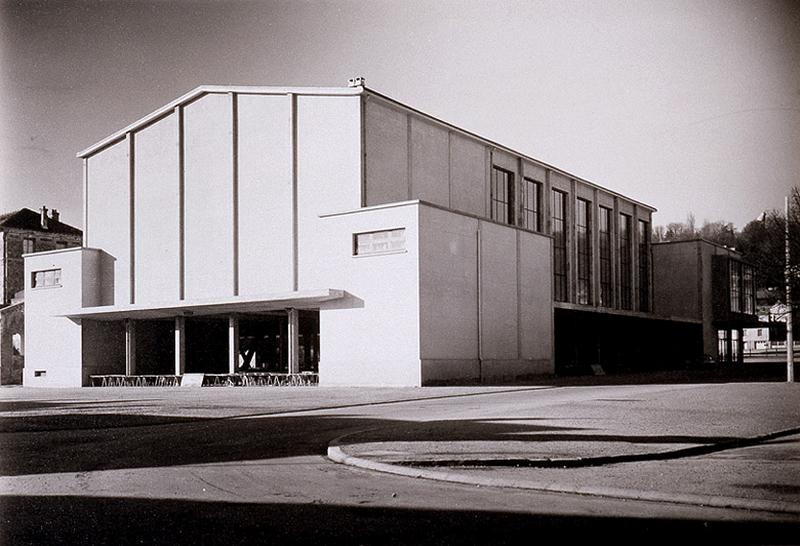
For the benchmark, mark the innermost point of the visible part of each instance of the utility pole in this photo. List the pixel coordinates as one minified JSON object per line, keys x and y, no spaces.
{"x":789,"y":336}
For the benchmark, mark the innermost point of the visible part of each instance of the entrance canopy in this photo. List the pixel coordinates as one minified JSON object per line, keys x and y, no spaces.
{"x":303,"y":299}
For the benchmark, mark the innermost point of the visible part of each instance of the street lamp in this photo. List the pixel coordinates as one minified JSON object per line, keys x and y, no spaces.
{"x":788,"y":278}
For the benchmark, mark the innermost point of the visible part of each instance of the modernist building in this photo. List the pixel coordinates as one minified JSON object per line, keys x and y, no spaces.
{"x":709,"y":283}
{"x":338,"y":231}
{"x":23,"y":231}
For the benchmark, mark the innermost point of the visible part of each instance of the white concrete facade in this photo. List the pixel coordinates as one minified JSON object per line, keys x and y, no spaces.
{"x":250,"y":200}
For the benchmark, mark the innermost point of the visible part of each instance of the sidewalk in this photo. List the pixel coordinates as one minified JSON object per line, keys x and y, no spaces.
{"x":671,"y":447}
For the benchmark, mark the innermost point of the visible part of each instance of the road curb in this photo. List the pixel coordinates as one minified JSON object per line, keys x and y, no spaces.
{"x":338,"y":455}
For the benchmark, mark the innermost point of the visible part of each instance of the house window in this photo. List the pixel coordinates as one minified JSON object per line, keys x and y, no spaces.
{"x":583,"y":232}
{"x":735,"y":269}
{"x":502,"y":196}
{"x":61,"y":244}
{"x":44,"y":279}
{"x":28,"y":245}
{"x":388,"y":241}
{"x":748,"y":290}
{"x":604,"y":231}
{"x":531,"y":204}
{"x":644,"y":266}
{"x":558,"y":211}
{"x":625,"y":259}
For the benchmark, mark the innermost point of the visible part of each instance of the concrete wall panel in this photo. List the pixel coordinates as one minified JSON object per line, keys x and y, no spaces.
{"x":386,"y":154}
{"x":536,"y":314}
{"x":429,"y":162}
{"x":265,"y":194}
{"x":560,"y":182}
{"x":448,"y":285}
{"x":605,"y":199}
{"x":584,"y":191}
{"x":53,"y":343}
{"x":675,"y":280}
{"x":468,"y":188}
{"x":498,"y":291}
{"x":372,"y":336}
{"x":157,"y":219}
{"x":328,"y":175}
{"x":208,"y":197}
{"x":506,"y":161}
{"x":108,"y":213}
{"x":533,"y":171}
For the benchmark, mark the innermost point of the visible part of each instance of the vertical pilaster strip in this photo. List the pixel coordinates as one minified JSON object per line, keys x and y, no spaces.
{"x":450,"y":169}
{"x":488,"y":159}
{"x":235,"y":188}
{"x":293,"y":335}
{"x":519,"y":293}
{"x":479,"y":292}
{"x":409,"y":176}
{"x":295,"y":246}
{"x":615,"y":257}
{"x":363,"y":104}
{"x":233,"y":343}
{"x":519,"y":194}
{"x":129,"y":137}
{"x":180,"y":345}
{"x":130,"y":347}
{"x":572,"y":242}
{"x":547,"y":223}
{"x":595,"y":246}
{"x":637,"y":287}
{"x":181,"y":204}
{"x":85,"y":238}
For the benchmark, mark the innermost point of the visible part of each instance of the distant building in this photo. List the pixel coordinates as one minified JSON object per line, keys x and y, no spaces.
{"x":771,"y":331}
{"x":712,"y":284}
{"x":23,"y":232}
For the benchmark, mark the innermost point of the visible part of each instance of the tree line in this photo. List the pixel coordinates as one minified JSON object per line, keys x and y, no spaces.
{"x":761,"y":243}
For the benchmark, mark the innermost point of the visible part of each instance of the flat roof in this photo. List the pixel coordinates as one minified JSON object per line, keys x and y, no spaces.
{"x":302,"y":299}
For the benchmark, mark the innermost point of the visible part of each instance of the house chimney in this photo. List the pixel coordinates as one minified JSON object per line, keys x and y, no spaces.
{"x":43,"y":216}
{"x":54,"y":215}
{"x":358,"y":81}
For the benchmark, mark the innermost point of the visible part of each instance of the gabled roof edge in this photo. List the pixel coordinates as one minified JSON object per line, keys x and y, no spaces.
{"x":205,"y":89}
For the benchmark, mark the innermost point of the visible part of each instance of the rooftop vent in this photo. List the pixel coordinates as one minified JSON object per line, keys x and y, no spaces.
{"x":358,"y":81}
{"x":43,"y":217}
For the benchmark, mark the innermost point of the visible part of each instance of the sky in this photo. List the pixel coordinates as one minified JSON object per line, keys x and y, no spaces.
{"x":689,"y":106}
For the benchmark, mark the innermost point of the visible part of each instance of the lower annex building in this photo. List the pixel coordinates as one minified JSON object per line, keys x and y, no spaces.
{"x":338,"y":232}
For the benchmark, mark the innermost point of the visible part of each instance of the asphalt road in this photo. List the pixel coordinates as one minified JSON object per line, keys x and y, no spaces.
{"x":247,"y":465}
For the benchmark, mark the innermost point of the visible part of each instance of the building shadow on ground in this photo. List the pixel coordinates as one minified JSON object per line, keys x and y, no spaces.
{"x":77,"y":442}
{"x":115,"y":520}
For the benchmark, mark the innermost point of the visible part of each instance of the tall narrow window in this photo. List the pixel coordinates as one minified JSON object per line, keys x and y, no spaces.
{"x":604,"y":231}
{"x":625,"y":265}
{"x":28,"y":245}
{"x":735,"y":269}
{"x":558,"y":211}
{"x":531,"y":205}
{"x":502,"y":197}
{"x":644,"y":266}
{"x":748,"y":290}
{"x":583,"y":232}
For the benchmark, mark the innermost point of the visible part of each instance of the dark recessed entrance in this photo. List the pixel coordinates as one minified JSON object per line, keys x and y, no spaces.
{"x":207,"y":345}
{"x":264,"y":342}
